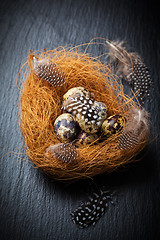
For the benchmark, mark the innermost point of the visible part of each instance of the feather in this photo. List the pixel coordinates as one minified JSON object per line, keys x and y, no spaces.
{"x":65,"y":152}
{"x":93,"y":209}
{"x":89,"y":113}
{"x":49,"y":72}
{"x":132,"y":69}
{"x":136,"y":130}
{"x":118,"y":53}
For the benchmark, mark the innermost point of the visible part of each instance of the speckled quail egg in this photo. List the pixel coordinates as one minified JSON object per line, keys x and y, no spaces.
{"x":88,"y":113}
{"x":76,"y":90}
{"x":65,"y":127}
{"x":84,"y":138}
{"x":112,"y":125}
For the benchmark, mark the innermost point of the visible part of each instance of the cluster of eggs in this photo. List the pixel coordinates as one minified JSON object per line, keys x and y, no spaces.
{"x":84,"y":118}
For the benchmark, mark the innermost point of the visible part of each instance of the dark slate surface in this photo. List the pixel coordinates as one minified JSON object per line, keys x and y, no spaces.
{"x":32,"y":206}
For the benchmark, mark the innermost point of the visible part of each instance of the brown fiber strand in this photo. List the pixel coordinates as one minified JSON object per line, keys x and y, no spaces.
{"x":40,"y":104}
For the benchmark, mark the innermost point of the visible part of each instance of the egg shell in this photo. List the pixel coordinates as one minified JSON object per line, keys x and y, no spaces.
{"x":91,"y":119}
{"x":101,"y":108}
{"x":84,"y":138}
{"x":65,"y":127}
{"x":76,"y":90}
{"x":112,"y":125}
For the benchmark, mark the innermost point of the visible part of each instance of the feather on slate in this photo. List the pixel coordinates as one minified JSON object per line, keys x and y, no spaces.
{"x":65,"y":152}
{"x":49,"y":72}
{"x":92,"y":210}
{"x":136,"y":130}
{"x":132,"y":69}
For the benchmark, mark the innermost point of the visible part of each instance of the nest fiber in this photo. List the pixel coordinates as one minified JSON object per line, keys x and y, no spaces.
{"x":41,"y":104}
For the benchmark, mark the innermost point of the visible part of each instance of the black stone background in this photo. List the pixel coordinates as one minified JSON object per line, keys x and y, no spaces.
{"x":32,"y":206}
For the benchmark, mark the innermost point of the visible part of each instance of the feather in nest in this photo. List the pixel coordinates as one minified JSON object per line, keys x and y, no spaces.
{"x":136,"y":130}
{"x":49,"y":72}
{"x":64,"y":152}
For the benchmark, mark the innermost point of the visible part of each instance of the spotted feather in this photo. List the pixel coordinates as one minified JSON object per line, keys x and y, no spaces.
{"x":49,"y":72}
{"x":89,"y":113}
{"x":141,"y":80}
{"x":132,"y":68}
{"x":65,"y":152}
{"x":136,"y":129}
{"x":93,"y":209}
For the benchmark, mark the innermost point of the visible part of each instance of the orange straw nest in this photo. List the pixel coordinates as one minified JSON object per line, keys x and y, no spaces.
{"x":40,"y":105}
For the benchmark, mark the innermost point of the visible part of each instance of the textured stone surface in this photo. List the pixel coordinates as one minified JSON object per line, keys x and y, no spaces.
{"x":32,"y":206}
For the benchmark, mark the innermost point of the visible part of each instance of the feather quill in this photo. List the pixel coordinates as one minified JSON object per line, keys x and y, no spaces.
{"x":132,"y":68}
{"x":89,"y":212}
{"x":136,"y":129}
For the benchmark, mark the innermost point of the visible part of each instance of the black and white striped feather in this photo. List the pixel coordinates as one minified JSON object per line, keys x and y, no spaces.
{"x":132,"y":68}
{"x":93,"y":209}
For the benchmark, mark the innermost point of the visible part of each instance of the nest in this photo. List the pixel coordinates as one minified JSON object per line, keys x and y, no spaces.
{"x":40,"y":105}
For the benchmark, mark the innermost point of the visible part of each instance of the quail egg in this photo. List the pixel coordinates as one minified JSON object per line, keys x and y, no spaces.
{"x":84,"y":138}
{"x":65,"y":127}
{"x":76,"y":90}
{"x":112,"y":125}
